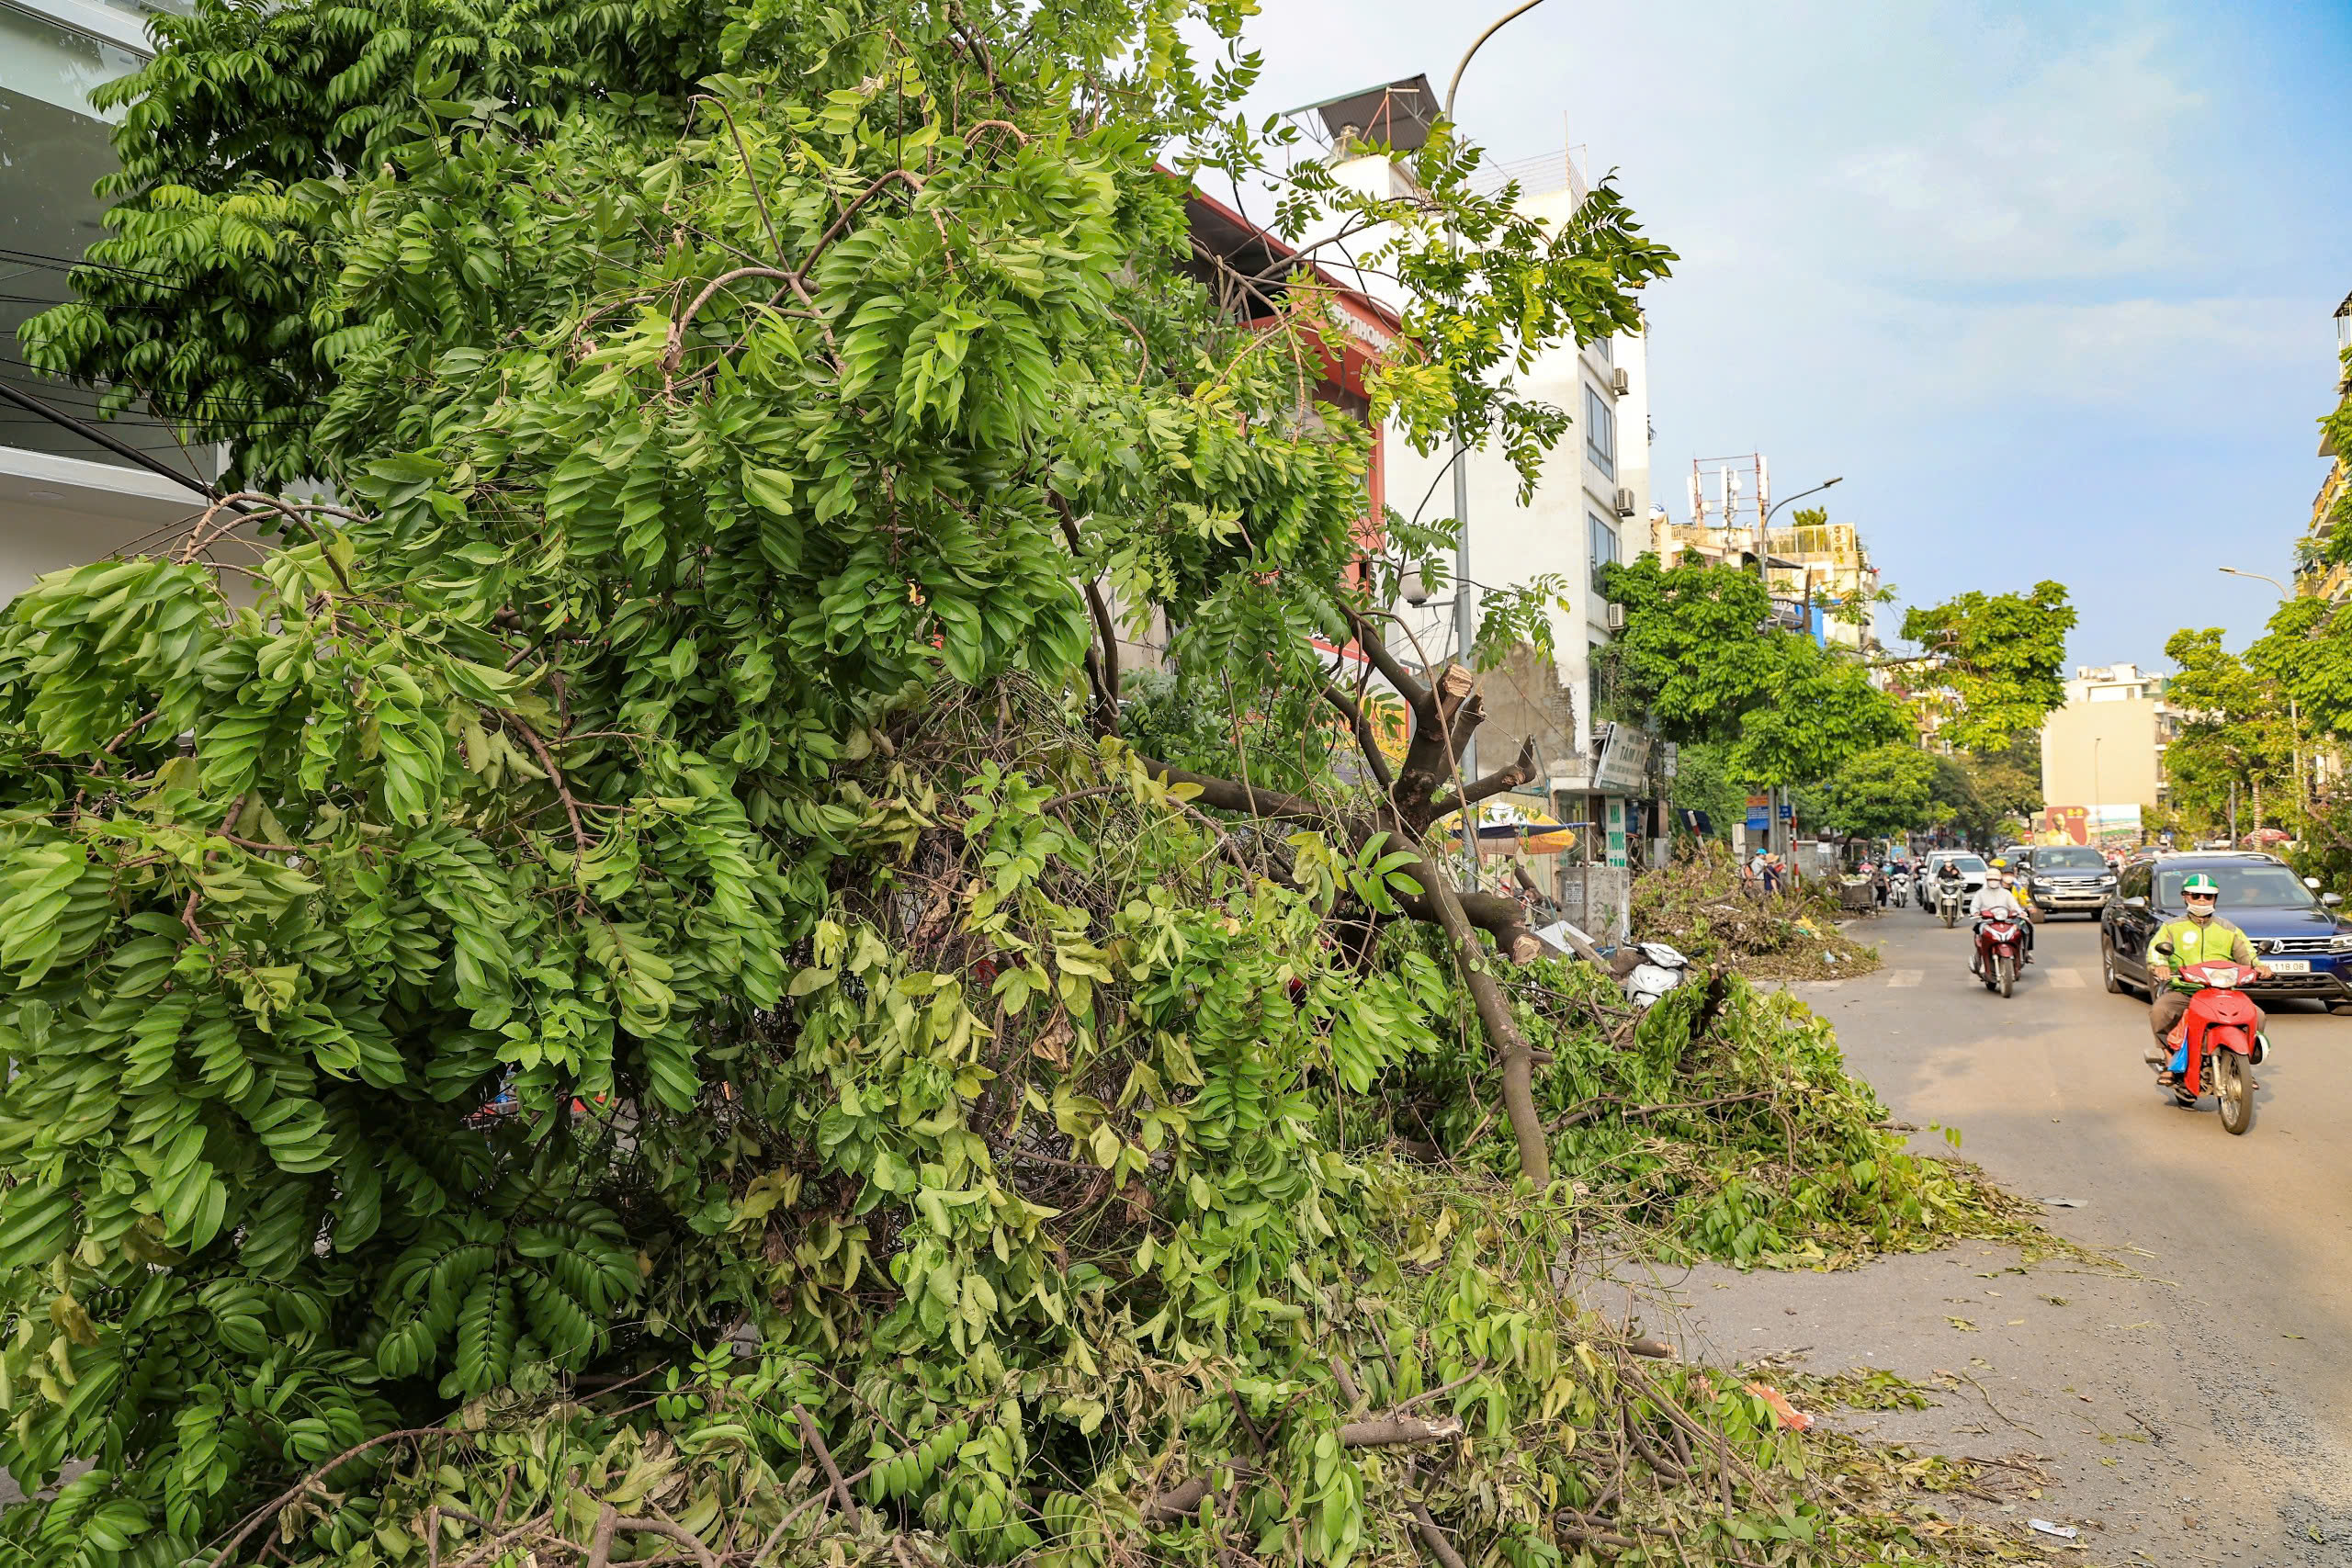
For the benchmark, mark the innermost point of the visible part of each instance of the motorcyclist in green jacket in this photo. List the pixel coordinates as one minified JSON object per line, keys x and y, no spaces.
{"x":2202,"y":937}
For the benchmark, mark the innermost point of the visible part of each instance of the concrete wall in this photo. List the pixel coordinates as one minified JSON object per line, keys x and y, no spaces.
{"x":2101,"y":753}
{"x":57,"y":512}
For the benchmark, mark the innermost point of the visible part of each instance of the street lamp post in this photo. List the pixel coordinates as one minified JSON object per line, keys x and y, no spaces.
{"x":1764,"y":530}
{"x":1465,"y":623}
{"x":1774,"y":834}
{"x":2294,"y":717}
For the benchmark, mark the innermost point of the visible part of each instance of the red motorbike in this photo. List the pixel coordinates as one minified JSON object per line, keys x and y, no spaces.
{"x":2000,"y":952}
{"x":2219,"y":1043}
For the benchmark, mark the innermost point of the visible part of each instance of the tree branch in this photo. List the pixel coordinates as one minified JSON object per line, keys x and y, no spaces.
{"x":1228,"y":796}
{"x":268,"y":1510}
{"x":1495,"y":1014}
{"x":832,"y":1472}
{"x":674,"y":353}
{"x":1366,"y":741}
{"x":1182,"y":1502}
{"x":1104,"y":671}
{"x":979,"y":53}
{"x":834,"y":231}
{"x":1521,"y":770}
{"x":1431,"y":1537}
{"x":1408,"y":686}
{"x":678,"y":1533}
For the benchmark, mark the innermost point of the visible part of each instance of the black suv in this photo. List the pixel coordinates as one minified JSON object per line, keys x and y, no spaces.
{"x":2296,"y":931}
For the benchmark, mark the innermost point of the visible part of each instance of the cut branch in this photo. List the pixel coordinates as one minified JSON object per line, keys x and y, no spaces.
{"x":1519,"y":772}
{"x":1182,"y":1501}
{"x":815,"y":1442}
{"x":1391,"y":1430}
{"x":1502,"y":1029}
{"x":1228,"y":796}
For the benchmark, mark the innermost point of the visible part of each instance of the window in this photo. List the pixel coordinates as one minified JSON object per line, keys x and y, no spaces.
{"x":1605,"y":346}
{"x":1604,"y":544}
{"x":2258,"y":887}
{"x":2135,"y":881}
{"x":1600,"y":431}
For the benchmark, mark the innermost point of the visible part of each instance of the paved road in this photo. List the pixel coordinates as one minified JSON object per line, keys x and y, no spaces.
{"x":2197,"y":1410}
{"x":2051,"y":1094}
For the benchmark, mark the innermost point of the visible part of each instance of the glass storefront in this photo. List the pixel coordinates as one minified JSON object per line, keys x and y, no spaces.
{"x":54,"y":148}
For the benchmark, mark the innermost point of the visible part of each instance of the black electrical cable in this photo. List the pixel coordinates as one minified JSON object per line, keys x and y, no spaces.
{"x":92,"y":433}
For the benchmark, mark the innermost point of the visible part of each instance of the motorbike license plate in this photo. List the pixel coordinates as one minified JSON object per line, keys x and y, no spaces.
{"x":2289,"y":966}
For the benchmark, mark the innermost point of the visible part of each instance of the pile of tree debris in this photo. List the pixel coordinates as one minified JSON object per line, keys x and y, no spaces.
{"x":1703,"y":906}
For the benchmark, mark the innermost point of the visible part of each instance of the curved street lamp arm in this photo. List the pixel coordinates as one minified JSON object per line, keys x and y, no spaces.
{"x":1454,"y":85}
{"x":1814,"y":491}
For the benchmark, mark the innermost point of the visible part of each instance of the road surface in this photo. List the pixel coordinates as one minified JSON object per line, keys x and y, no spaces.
{"x":2198,"y":1409}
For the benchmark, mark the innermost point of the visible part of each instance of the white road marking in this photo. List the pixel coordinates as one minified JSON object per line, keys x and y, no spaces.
{"x":2067,"y":979}
{"x":1905,"y":977}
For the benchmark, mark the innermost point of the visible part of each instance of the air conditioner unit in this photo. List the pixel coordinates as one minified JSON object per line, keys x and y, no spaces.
{"x":1620,"y":383}
{"x":1625,"y":507}
{"x":1615,"y":618}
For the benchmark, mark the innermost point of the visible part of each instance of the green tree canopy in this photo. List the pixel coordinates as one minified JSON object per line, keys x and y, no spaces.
{"x":1992,"y":664}
{"x":1888,"y":790}
{"x":2233,"y":729}
{"x":1698,"y":657}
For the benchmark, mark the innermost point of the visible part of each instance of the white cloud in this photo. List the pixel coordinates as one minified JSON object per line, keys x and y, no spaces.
{"x":2125,"y":352}
{"x":2078,"y":173}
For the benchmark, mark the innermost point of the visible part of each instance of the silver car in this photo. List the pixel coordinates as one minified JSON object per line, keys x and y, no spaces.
{"x":1971,"y":868}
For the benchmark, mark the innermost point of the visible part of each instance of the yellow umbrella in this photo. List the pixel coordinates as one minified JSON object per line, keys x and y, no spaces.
{"x":1509,"y":828}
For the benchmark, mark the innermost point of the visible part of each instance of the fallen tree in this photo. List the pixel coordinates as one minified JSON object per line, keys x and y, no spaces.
{"x":606,"y":995}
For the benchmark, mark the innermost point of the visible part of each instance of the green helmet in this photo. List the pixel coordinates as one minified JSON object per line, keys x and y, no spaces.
{"x":2199,"y":882}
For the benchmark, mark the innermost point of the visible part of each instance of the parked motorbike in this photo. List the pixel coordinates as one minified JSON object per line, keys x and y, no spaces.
{"x":2000,"y":949}
{"x":1948,"y":897}
{"x":2219,"y":1042}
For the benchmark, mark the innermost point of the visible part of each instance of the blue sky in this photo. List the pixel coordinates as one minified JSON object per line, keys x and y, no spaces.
{"x":2051,"y":285}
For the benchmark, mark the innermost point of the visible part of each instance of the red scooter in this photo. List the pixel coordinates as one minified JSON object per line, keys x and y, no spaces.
{"x":2219,"y":1043}
{"x":2000,"y":952}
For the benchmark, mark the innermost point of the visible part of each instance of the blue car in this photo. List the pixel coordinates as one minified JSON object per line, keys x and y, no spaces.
{"x":2299,"y":932}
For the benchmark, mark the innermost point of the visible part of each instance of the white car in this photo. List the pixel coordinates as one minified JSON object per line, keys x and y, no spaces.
{"x":1972,"y":871}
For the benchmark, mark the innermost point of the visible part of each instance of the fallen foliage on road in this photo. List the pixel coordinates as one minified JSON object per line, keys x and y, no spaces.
{"x":1701,"y":904}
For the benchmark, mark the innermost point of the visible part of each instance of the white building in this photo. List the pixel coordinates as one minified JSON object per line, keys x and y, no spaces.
{"x":64,"y":499}
{"x":1590,"y":505}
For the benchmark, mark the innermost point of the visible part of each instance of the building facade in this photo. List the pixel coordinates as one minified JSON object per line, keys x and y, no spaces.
{"x":64,"y":498}
{"x":2315,"y":576}
{"x":2106,"y":745}
{"x":1589,"y":506}
{"x":1812,"y":572}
